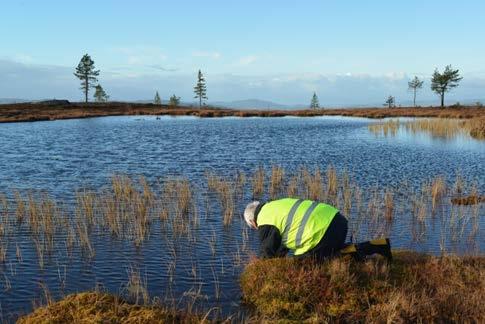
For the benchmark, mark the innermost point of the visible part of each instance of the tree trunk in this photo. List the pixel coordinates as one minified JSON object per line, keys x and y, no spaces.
{"x":414,"y":101}
{"x":86,"y":89}
{"x":442,"y":100}
{"x":200,"y":102}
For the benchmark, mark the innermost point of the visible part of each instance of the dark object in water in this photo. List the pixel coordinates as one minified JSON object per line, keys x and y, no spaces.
{"x":470,"y":200}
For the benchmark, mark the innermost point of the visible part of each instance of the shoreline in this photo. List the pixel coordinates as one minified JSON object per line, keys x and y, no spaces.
{"x":31,"y":112}
{"x":415,"y":287}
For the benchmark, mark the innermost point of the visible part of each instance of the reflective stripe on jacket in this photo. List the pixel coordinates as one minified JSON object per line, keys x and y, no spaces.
{"x":301,"y":223}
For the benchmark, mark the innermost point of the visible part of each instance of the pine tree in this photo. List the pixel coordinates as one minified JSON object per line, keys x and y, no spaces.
{"x":314,"y":103}
{"x":200,"y":89}
{"x":174,"y":101}
{"x":444,"y":82}
{"x":157,"y":100}
{"x":414,"y":85}
{"x":85,"y":71}
{"x":99,"y":94}
{"x":390,"y":102}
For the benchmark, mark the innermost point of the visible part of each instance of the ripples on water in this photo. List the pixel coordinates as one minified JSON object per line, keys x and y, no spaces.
{"x":62,"y":156}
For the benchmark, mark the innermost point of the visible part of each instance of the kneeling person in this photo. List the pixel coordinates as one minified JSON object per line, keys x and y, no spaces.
{"x":308,"y":228}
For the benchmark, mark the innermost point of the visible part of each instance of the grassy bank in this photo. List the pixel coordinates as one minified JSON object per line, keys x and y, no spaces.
{"x":415,"y":288}
{"x":93,"y":307}
{"x":54,"y":111}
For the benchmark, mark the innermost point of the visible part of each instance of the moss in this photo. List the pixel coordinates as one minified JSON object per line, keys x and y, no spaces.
{"x":91,"y":307}
{"x":415,"y":287}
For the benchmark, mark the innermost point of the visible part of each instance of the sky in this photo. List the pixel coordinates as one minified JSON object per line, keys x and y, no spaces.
{"x":350,"y":52}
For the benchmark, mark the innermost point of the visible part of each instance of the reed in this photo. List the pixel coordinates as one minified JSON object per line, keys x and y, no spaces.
{"x":213,"y":242}
{"x":292,"y":188}
{"x":7,"y":284}
{"x":312,"y":184}
{"x":276,"y":181}
{"x":332,"y":183}
{"x":40,"y":248}
{"x":136,"y":287}
{"x":21,"y":210}
{"x":4,"y":215}
{"x":18,"y":253}
{"x":217,"y":288}
{"x":438,"y":191}
{"x":240,"y":182}
{"x":389,"y":127}
{"x":3,"y":251}
{"x":258,"y":181}
{"x":389,"y":204}
{"x":225,"y":191}
{"x":437,"y":127}
{"x":129,"y":208}
{"x":476,"y":127}
{"x":84,"y":240}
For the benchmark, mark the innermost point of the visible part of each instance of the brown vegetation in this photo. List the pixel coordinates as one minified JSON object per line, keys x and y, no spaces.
{"x":129,"y":207}
{"x":65,"y":110}
{"x":415,"y":288}
{"x":438,"y":127}
{"x":468,"y":200}
{"x":95,"y":307}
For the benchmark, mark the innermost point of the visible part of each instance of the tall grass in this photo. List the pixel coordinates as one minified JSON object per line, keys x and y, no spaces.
{"x":129,"y":208}
{"x":437,"y":127}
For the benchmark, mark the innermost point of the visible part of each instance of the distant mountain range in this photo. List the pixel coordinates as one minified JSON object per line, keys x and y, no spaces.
{"x":253,"y":104}
{"x":12,"y":100}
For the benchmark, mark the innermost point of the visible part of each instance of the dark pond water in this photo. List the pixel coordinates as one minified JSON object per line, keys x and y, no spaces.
{"x":61,"y":156}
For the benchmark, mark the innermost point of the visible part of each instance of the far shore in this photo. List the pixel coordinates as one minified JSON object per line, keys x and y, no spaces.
{"x":28,"y":112}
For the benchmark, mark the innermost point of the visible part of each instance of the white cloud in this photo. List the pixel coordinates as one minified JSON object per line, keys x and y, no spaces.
{"x":31,"y":81}
{"x":23,"y":58}
{"x":142,"y":54}
{"x":246,"y":60}
{"x":211,"y":55}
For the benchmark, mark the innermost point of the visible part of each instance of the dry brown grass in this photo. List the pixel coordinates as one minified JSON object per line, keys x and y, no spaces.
{"x":258,"y":181}
{"x":276,"y":181}
{"x":226,"y":191}
{"x":415,"y":288}
{"x":476,"y":127}
{"x":34,"y":112}
{"x":438,"y":127}
{"x":128,"y":208}
{"x":468,"y":200}
{"x":92,"y":307}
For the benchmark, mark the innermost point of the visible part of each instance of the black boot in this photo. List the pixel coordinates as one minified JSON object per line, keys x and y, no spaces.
{"x":380,"y":246}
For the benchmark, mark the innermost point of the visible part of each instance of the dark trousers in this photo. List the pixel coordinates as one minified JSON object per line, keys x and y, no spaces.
{"x":332,"y":242}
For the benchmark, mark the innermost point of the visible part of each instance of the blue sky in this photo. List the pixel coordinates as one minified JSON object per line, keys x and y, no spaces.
{"x":349,"y":52}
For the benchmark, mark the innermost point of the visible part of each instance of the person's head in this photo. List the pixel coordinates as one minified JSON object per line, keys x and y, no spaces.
{"x":250,"y":214}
